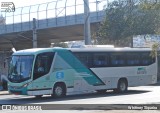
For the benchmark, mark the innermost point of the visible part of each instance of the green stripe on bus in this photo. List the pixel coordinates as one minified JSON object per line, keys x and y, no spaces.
{"x":88,"y":75}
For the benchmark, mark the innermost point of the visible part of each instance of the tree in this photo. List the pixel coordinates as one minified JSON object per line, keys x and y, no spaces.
{"x":123,"y":21}
{"x":155,"y":48}
{"x":154,"y":7}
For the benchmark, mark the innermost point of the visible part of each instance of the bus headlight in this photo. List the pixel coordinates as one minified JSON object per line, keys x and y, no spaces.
{"x":25,"y":85}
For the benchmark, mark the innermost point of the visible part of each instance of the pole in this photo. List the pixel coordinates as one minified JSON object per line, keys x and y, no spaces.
{"x":34,"y":34}
{"x":87,"y":36}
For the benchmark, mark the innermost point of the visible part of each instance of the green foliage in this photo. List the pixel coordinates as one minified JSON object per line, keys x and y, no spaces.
{"x":155,"y":48}
{"x":123,"y":21}
{"x":148,"y":5}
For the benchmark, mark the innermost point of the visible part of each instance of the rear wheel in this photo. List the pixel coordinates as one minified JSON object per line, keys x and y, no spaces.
{"x":59,"y":90}
{"x":122,"y":86}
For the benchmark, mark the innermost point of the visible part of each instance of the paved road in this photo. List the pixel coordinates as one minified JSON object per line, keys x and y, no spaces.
{"x":135,"y":95}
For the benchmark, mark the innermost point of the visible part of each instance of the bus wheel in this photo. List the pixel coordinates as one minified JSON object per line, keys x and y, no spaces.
{"x":59,"y":90}
{"x":122,"y":86}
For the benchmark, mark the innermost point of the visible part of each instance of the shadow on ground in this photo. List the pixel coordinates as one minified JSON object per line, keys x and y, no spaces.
{"x":31,"y":99}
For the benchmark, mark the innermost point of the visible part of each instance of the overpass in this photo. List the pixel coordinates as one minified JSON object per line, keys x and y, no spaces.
{"x":19,"y":35}
{"x":56,"y":21}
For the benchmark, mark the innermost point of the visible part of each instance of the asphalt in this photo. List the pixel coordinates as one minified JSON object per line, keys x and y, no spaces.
{"x":4,"y":92}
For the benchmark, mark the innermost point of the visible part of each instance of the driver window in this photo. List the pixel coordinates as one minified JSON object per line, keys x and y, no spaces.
{"x":43,"y":64}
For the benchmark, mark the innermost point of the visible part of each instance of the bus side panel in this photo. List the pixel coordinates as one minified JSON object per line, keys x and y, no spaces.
{"x":80,"y":78}
{"x":136,"y":76}
{"x":40,"y":86}
{"x":81,"y":70}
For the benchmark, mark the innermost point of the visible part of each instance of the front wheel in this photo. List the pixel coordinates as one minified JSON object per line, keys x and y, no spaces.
{"x":59,"y":90}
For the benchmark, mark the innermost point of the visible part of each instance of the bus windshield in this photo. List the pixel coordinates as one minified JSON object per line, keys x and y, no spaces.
{"x":20,"y":68}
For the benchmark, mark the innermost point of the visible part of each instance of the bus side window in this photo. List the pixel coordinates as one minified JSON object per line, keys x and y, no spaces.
{"x":133,"y":59}
{"x":43,"y":64}
{"x":85,"y":58}
{"x":147,"y":59}
{"x":136,"y":60}
{"x":118,"y":59}
{"x":100,"y":60}
{"x":114,"y":60}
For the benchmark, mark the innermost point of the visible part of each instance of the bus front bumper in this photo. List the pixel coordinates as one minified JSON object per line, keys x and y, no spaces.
{"x":17,"y":90}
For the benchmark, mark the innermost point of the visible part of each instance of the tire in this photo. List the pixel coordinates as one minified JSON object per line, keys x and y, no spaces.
{"x":59,"y":90}
{"x":122,"y":86}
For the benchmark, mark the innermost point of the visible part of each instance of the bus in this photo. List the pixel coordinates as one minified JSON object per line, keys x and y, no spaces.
{"x":68,"y":71}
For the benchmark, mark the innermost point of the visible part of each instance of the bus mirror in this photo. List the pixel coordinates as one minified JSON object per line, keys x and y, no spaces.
{"x":14,"y":50}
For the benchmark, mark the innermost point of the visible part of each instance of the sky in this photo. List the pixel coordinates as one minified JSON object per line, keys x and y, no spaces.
{"x":31,"y":12}
{"x":22,"y":3}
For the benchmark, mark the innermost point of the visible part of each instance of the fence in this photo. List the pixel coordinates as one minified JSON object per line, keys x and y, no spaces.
{"x":55,"y":9}
{"x":49,"y":14}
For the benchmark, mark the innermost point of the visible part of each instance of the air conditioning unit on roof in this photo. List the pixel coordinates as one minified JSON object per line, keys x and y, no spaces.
{"x":98,"y":46}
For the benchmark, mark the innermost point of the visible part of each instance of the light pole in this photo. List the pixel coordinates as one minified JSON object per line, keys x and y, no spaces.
{"x":34,"y":34}
{"x":87,"y":35}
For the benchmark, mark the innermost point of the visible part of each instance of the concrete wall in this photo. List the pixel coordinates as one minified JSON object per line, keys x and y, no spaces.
{"x":3,"y":58}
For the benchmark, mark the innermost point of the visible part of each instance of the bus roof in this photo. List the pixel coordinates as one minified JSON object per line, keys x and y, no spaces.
{"x":108,"y":49}
{"x":104,"y":49}
{"x":31,"y":51}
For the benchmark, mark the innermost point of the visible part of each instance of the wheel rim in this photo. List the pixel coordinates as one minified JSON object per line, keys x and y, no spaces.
{"x":58,"y":91}
{"x":122,"y":86}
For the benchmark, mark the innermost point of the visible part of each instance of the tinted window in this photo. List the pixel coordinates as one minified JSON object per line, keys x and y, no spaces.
{"x":146,"y":59}
{"x":85,"y":58}
{"x":115,"y":59}
{"x":139,"y":59}
{"x":118,"y":59}
{"x":100,"y":60}
{"x":133,"y":59}
{"x":43,"y":64}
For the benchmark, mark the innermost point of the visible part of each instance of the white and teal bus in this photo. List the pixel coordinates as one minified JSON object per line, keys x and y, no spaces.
{"x":77,"y":71}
